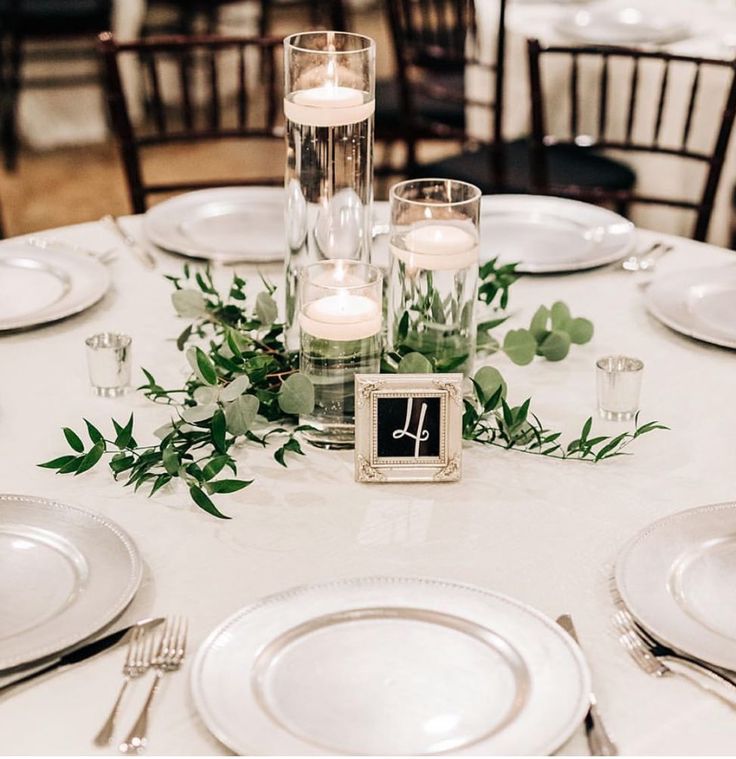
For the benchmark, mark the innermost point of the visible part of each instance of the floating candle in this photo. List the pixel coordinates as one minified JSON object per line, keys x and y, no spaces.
{"x":343,"y":316}
{"x":328,"y":105}
{"x":438,"y":246}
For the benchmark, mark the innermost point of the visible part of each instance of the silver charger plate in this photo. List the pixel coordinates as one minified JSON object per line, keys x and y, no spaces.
{"x":547,"y":235}
{"x":388,"y":665}
{"x":677,"y":578}
{"x":699,"y":303}
{"x":224,"y":224}
{"x":66,"y":573}
{"x":623,"y":22}
{"x":42,"y":286}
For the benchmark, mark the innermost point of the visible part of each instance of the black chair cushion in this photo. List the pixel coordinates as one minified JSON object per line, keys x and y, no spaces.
{"x":389,"y":112}
{"x":567,"y":166}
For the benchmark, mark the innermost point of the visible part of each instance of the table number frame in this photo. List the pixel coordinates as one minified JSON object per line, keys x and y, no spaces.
{"x":441,"y":411}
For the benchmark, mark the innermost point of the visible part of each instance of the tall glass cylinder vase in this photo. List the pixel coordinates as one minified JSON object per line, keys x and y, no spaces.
{"x":329,"y":104}
{"x":433,"y":282}
{"x":341,"y":324}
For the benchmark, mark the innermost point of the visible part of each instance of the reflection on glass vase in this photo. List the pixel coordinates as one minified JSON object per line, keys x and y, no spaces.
{"x":433,"y":281}
{"x":329,"y":105}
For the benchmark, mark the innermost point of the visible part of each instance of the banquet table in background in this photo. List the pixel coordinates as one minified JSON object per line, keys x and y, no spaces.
{"x":543,"y":531}
{"x":713,"y":35}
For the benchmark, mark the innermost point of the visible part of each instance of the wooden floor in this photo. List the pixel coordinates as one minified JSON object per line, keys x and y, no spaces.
{"x":69,"y":185}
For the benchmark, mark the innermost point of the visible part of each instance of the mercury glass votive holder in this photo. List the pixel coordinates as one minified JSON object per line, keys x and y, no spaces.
{"x":340,"y":336}
{"x":618,"y":380}
{"x":108,"y":362}
{"x":329,"y":102}
{"x":433,"y":278}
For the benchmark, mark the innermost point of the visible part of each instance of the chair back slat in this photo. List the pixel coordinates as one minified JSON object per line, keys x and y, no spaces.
{"x":633,"y":100}
{"x":574,"y":76}
{"x":691,"y":106}
{"x":603,"y":99}
{"x":657,"y":141}
{"x":156,"y":101}
{"x":203,"y":105}
{"x":661,"y":103}
{"x":214,"y":90}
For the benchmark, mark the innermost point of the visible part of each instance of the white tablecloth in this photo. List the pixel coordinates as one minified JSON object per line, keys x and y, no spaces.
{"x":545,"y":532}
{"x":713,"y":25}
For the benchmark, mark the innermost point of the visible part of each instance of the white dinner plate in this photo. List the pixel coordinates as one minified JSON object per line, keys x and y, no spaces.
{"x":66,"y":573}
{"x":619,"y":22}
{"x":677,"y":578}
{"x":699,"y":303}
{"x":548,"y":234}
{"x":388,"y":665}
{"x":41,"y":286}
{"x":224,"y":224}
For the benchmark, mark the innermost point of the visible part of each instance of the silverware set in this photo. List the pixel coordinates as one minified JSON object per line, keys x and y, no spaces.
{"x":146,"y":650}
{"x":646,"y":260}
{"x":112,"y":224}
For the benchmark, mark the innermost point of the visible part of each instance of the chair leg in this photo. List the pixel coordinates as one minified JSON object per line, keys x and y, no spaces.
{"x":8,"y":116}
{"x":622,"y":208}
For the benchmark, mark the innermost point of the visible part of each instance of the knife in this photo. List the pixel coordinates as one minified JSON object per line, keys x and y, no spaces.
{"x":598,"y":741}
{"x":84,"y":652}
{"x":144,"y":256}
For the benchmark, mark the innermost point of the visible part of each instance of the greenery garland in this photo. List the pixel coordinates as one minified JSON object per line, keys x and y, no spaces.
{"x":245,"y":386}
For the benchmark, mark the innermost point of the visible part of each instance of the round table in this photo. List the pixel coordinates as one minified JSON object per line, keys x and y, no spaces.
{"x":543,"y":531}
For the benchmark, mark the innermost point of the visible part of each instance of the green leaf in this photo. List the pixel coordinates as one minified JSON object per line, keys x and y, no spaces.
{"x":73,"y":439}
{"x":539,"y":321}
{"x":296,"y":395}
{"x":161,"y":480}
{"x":236,"y":388}
{"x":241,"y":413}
{"x":203,"y":501}
{"x":189,"y":303}
{"x":561,"y":316}
{"x":181,"y":341}
{"x":92,"y":457}
{"x":201,"y":365}
{"x":124,"y":434}
{"x":198,"y":414}
{"x":266,"y":309}
{"x":219,"y":428}
{"x":170,"y":460}
{"x":71,"y":466}
{"x":214,"y":467}
{"x":489,"y":380}
{"x":580,"y":331}
{"x":586,"y":429}
{"x":228,"y":486}
{"x":94,"y":434}
{"x":555,"y":346}
{"x":57,"y":463}
{"x":520,"y":346}
{"x":403,"y":329}
{"x":415,"y":363}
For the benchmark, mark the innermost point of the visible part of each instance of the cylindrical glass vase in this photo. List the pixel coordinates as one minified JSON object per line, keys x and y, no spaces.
{"x":341,"y":324}
{"x":433,"y":281}
{"x":329,"y":104}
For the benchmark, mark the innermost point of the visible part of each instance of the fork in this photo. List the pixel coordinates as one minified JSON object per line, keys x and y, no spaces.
{"x":660,"y":666}
{"x":137,"y":662}
{"x":647,"y":260}
{"x":46,"y":243}
{"x":169,"y":657}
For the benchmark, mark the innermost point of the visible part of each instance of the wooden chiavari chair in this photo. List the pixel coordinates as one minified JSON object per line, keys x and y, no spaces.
{"x":632,"y":140}
{"x":251,"y":111}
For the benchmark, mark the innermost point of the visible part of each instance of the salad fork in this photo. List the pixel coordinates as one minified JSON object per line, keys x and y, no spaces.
{"x":137,"y":663}
{"x":169,"y":657}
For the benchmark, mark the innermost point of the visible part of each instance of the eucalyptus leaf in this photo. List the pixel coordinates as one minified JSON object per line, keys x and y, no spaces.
{"x":296,"y":395}
{"x":241,"y":413}
{"x":520,"y":346}
{"x":539,"y":322}
{"x":560,"y":314}
{"x":195,"y":414}
{"x":489,"y":379}
{"x":266,"y":309}
{"x":415,"y":363}
{"x":189,"y":303}
{"x":205,"y":395}
{"x":580,"y":330}
{"x":235,"y":388}
{"x":555,"y":346}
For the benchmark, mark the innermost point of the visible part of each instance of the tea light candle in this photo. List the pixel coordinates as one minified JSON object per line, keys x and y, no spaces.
{"x":328,"y":105}
{"x":437,"y":246}
{"x":343,"y":316}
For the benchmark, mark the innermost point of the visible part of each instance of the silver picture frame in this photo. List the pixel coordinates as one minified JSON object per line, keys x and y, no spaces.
{"x":443,"y":463}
